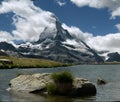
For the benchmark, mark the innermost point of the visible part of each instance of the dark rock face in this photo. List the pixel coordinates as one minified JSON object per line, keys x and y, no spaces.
{"x":6,"y":46}
{"x":3,"y":53}
{"x":36,"y":83}
{"x":9,"y":49}
{"x":86,"y":90}
{"x":101,"y":81}
{"x":114,"y":57}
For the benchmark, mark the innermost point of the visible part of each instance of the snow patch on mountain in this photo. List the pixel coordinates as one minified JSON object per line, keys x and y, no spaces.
{"x":30,"y":45}
{"x":77,"y":46}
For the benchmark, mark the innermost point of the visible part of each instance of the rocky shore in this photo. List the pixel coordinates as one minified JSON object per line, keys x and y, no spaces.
{"x":37,"y":83}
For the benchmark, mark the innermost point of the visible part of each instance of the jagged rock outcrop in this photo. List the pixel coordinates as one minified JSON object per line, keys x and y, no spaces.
{"x":36,"y":83}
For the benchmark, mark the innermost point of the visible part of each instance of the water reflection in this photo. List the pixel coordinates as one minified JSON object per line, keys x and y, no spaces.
{"x":69,"y":99}
{"x":25,"y":97}
{"x":29,"y":97}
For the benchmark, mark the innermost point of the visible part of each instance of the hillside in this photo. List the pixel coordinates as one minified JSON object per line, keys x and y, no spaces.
{"x":14,"y":62}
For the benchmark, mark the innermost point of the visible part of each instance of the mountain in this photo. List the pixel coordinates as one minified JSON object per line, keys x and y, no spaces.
{"x":57,"y":44}
{"x":2,"y":53}
{"x":6,"y":46}
{"x":9,"y":49}
{"x":112,"y":57}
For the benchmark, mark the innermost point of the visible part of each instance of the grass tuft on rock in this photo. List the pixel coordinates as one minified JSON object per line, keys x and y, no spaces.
{"x":62,"y":83}
{"x":51,"y":88}
{"x":62,"y":77}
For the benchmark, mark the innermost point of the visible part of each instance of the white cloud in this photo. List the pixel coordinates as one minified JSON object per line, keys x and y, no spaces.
{"x":112,"y":5}
{"x":28,"y":19}
{"x":61,"y":3}
{"x":77,"y":33}
{"x":5,"y":36}
{"x":109,"y":42}
{"x":116,"y":12}
{"x":118,"y":27}
{"x":90,"y":3}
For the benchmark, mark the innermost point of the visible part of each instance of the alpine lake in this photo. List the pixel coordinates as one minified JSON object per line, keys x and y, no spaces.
{"x":107,"y":92}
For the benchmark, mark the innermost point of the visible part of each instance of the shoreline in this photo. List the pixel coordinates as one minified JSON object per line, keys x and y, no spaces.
{"x":32,"y":67}
{"x":14,"y":62}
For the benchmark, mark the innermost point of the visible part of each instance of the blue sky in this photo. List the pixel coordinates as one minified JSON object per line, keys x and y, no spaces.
{"x":92,"y":20}
{"x":97,"y":22}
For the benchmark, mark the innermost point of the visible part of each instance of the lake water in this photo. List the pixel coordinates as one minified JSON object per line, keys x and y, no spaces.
{"x":108,"y":92}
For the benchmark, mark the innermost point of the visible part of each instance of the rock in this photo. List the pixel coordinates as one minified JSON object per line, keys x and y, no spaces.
{"x":36,"y":83}
{"x":30,"y":83}
{"x":82,"y":87}
{"x":87,"y":89}
{"x":101,"y":81}
{"x":6,"y":61}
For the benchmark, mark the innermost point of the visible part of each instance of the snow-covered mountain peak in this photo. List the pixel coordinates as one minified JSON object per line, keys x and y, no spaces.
{"x":56,"y":33}
{"x":57,"y":44}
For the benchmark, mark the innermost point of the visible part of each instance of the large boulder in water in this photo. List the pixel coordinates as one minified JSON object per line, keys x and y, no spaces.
{"x":37,"y":83}
{"x":30,"y":83}
{"x":83,"y":87}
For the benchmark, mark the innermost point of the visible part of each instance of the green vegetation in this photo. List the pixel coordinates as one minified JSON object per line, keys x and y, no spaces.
{"x":62,"y":83}
{"x":111,"y":63}
{"x":62,"y":77}
{"x":28,"y":63}
{"x":51,"y":88}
